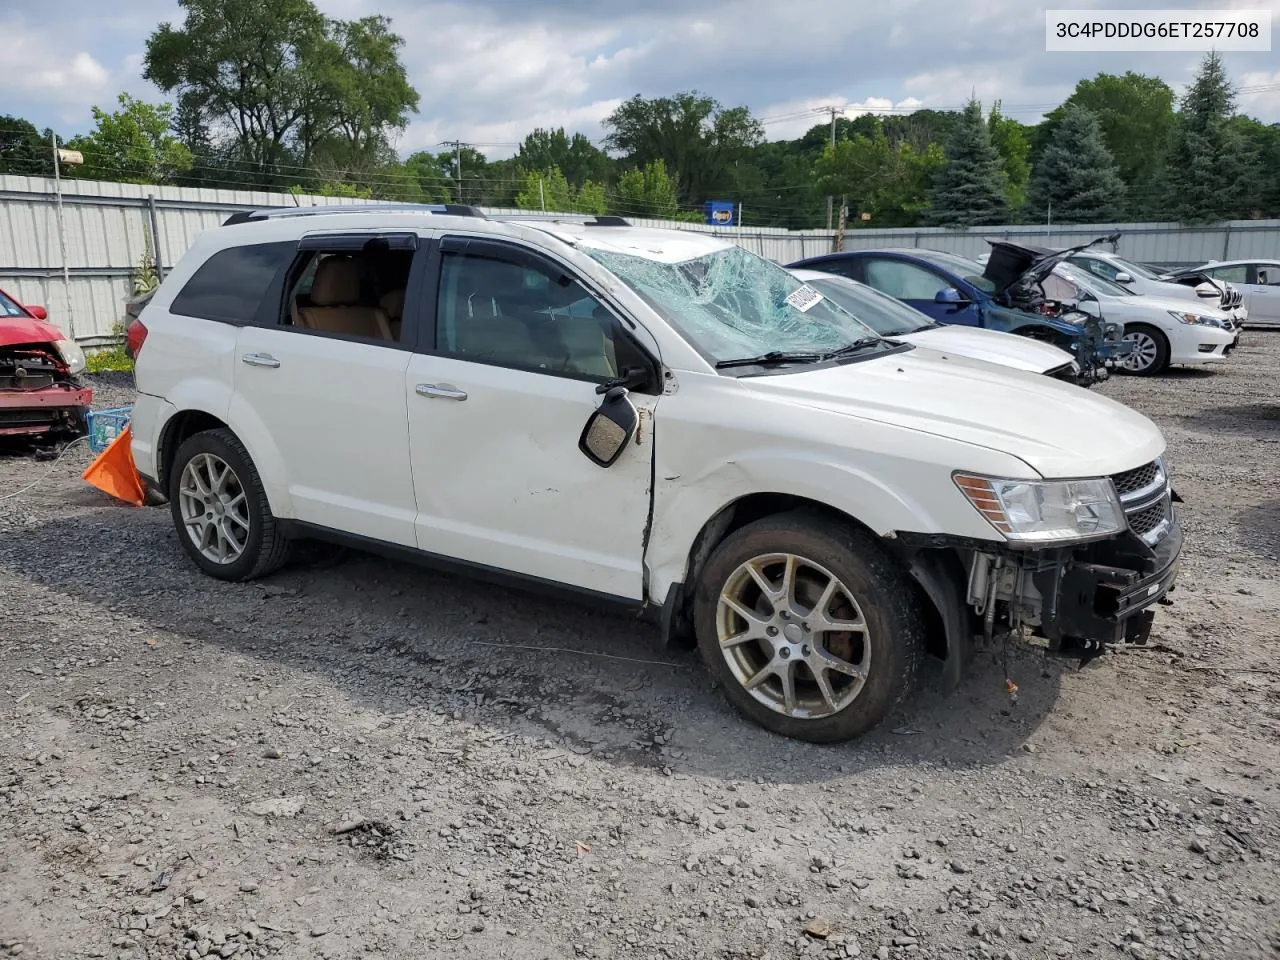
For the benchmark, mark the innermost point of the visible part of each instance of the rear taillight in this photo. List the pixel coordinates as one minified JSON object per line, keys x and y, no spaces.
{"x":134,"y":337}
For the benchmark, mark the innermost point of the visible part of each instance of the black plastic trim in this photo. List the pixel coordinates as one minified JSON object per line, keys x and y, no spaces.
{"x":297,"y":530}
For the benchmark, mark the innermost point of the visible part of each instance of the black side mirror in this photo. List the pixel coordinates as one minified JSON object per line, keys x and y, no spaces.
{"x":610,"y":428}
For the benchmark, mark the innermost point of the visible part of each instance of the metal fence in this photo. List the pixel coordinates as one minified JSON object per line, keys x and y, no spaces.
{"x":108,"y":228}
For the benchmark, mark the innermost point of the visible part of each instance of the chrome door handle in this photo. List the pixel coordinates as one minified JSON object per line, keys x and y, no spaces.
{"x":260,"y":360}
{"x":442,"y":391}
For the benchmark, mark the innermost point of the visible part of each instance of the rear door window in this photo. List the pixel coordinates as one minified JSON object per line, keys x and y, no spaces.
{"x":230,"y":285}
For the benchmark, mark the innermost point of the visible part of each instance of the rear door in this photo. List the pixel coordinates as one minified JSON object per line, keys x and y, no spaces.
{"x":498,"y":399}
{"x":920,"y":287}
{"x":323,"y":413}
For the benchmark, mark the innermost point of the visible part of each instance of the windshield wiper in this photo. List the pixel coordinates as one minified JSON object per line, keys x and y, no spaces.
{"x":856,"y":347}
{"x":773,"y":356}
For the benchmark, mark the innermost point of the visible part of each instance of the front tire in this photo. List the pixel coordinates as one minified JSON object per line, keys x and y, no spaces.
{"x":809,"y":627}
{"x":220,"y":509}
{"x":1150,"y":353}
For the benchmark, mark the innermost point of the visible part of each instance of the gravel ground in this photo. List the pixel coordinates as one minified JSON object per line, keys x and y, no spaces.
{"x":359,"y":758}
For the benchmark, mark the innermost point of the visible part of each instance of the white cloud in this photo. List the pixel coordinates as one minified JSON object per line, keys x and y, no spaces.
{"x":38,"y":67}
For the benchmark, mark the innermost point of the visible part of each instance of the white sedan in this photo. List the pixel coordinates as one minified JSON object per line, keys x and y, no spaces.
{"x":893,"y":318}
{"x":1164,"y":331}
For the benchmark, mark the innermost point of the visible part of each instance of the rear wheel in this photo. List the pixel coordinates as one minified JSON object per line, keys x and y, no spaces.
{"x":811,"y":629}
{"x":1150,"y":354}
{"x":220,"y":509}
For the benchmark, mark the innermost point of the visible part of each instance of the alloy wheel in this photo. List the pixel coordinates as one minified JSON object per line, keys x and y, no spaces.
{"x":793,"y":636}
{"x":1145,"y":352}
{"x":215,"y":510}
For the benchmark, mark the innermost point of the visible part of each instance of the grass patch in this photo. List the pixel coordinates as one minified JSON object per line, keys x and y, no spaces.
{"x":111,"y":360}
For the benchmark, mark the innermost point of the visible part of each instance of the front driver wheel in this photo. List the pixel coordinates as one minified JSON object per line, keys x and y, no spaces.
{"x":1150,"y":353}
{"x":809,"y":627}
{"x":220,"y":509}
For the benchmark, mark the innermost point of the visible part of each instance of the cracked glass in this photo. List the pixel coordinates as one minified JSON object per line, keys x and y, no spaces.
{"x":732,"y":303}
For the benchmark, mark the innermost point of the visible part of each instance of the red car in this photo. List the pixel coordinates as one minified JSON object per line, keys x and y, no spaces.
{"x":39,"y":392}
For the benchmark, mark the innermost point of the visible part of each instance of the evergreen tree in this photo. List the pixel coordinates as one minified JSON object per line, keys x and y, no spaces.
{"x":1210,"y":167}
{"x":1076,"y":180}
{"x":970,"y":190}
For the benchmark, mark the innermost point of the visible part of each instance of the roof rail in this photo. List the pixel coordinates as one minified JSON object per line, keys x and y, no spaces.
{"x":586,"y":219}
{"x":279,"y":213}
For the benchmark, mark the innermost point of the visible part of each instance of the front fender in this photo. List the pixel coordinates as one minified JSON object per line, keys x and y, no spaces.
{"x":685,"y":504}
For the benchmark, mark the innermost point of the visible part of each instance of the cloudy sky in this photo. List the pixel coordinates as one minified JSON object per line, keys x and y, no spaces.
{"x":490,"y":70}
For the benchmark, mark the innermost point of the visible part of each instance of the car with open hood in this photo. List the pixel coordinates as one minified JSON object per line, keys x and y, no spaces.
{"x":1256,"y":281}
{"x":40,"y":391}
{"x":1163,"y":331}
{"x":656,"y":420}
{"x":1193,"y":285}
{"x":890,"y":317}
{"x":1002,"y":295}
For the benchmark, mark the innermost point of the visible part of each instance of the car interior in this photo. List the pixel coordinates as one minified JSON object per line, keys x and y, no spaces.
{"x":489,"y":309}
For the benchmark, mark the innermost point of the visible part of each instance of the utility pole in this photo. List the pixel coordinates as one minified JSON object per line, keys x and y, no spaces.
{"x":457,"y":161}
{"x":834,"y":111}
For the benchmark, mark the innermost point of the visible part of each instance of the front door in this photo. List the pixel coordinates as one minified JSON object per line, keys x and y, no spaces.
{"x":497,"y":404}
{"x":319,"y":394}
{"x":920,"y":288}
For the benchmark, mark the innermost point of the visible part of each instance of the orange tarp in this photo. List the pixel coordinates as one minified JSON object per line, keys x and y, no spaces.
{"x":113,"y":471}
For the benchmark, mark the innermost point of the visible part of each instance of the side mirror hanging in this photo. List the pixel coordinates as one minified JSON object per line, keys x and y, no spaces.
{"x":609,"y":429}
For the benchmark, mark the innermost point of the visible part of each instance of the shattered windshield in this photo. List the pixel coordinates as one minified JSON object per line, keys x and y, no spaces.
{"x":882,"y":313}
{"x":732,"y":304}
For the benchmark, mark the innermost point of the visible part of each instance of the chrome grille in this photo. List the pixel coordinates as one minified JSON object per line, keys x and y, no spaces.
{"x":1144,"y":521}
{"x":1133,"y":480}
{"x":1144,"y":497}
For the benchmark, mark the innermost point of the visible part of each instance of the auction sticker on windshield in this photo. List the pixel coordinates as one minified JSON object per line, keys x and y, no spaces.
{"x":804,"y":298}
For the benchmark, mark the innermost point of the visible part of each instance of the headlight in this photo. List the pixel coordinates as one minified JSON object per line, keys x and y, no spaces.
{"x":71,"y":354}
{"x":1045,"y":511}
{"x":1195,"y":318}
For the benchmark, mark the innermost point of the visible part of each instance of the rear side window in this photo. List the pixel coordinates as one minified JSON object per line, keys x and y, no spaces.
{"x":230,"y":285}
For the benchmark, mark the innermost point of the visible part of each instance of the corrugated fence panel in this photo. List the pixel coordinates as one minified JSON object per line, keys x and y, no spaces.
{"x":107,"y":226}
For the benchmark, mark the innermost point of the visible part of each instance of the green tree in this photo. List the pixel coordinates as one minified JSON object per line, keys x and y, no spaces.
{"x":1136,"y":114}
{"x":1262,"y":142}
{"x":970,"y":189}
{"x":1013,"y":142}
{"x":1076,"y":180}
{"x":578,"y":158}
{"x":132,"y":145}
{"x":592,"y":198}
{"x":697,"y":139}
{"x":23,"y":150}
{"x":270,"y":86}
{"x":862,"y":168}
{"x":1210,"y":170}
{"x":546,"y":190}
{"x":647,"y":192}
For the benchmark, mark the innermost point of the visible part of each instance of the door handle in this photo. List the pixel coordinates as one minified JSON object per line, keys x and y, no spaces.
{"x":260,"y":360}
{"x":442,"y":391}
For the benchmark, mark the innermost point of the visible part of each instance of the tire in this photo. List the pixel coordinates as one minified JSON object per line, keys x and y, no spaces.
{"x":1155,"y":350}
{"x":888,"y":651}
{"x":246,"y":524}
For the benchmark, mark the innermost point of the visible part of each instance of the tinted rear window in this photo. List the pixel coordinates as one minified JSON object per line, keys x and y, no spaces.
{"x":230,"y":285}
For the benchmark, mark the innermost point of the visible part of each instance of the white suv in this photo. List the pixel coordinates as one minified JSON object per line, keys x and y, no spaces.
{"x":653,"y":418}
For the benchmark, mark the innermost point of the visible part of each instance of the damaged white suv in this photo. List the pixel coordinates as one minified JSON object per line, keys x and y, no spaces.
{"x":654,"y":418}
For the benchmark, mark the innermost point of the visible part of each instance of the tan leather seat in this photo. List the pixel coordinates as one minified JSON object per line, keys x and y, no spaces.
{"x":485,"y":334}
{"x":392,"y":304}
{"x":335,"y":307}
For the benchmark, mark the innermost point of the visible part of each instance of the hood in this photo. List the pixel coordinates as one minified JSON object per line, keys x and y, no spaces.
{"x":1142,"y":301}
{"x":27,"y":330}
{"x":1058,"y":429}
{"x":1014,"y":266}
{"x":1006,"y":349}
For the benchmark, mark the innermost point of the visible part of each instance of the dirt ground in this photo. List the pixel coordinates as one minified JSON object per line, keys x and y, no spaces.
{"x":357,"y":758}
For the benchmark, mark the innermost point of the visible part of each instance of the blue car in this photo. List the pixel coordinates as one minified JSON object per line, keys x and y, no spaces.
{"x":1004,"y":295}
